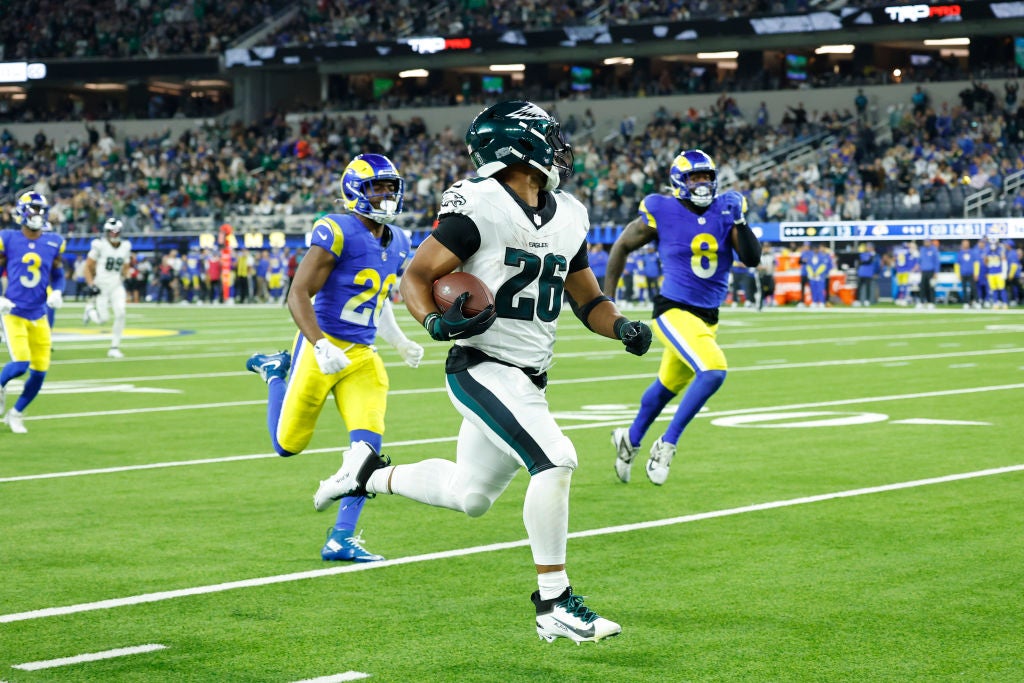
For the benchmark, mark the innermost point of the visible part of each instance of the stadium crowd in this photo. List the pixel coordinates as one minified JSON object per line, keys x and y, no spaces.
{"x":119,"y":29}
{"x":925,"y":162}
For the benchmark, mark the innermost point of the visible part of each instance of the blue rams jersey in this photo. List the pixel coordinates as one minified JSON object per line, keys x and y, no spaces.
{"x":695,"y":249}
{"x":818,"y":266}
{"x":29,"y":267}
{"x":966,"y":259}
{"x":349,"y":304}
{"x":992,"y":261}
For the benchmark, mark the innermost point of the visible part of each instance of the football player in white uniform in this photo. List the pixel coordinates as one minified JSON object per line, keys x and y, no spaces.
{"x":527,"y":242}
{"x":106,"y":267}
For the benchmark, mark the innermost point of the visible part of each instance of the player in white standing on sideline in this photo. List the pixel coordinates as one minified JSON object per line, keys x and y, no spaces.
{"x":106,"y":267}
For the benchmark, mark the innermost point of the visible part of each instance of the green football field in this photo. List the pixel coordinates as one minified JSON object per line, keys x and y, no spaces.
{"x":848,"y":507}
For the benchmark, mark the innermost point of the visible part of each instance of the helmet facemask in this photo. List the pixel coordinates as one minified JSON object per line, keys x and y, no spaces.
{"x":701,"y":192}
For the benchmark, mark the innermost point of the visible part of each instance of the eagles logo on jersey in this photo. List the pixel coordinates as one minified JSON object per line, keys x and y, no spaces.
{"x":522,"y":262}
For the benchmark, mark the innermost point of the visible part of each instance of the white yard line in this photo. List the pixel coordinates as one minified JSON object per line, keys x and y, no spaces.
{"x":493,"y":547}
{"x":90,"y":657}
{"x":761,"y":364}
{"x":419,"y":442}
{"x":164,"y":343}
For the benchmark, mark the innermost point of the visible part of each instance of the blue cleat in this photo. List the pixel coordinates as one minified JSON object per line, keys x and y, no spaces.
{"x":344,"y":546}
{"x":269,"y":365}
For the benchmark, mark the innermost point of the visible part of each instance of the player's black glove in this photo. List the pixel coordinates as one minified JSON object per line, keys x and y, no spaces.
{"x":634,"y":334}
{"x":454,"y":325}
{"x":92,"y":290}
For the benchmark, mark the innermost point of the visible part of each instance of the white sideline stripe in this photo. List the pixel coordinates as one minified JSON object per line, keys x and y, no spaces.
{"x":769,"y":363}
{"x":612,"y":350}
{"x":337,"y":678}
{"x":556,"y":382}
{"x":462,"y":552}
{"x":565,"y":428}
{"x":90,"y":657}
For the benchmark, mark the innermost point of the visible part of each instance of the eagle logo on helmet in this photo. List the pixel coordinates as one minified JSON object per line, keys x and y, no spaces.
{"x":519,"y":132}
{"x":113,"y":227}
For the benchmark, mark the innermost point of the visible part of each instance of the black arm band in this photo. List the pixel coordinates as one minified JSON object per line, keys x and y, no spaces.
{"x":748,"y":248}
{"x":583,"y":312}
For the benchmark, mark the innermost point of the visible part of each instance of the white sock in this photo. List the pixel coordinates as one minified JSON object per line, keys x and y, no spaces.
{"x":546,"y":515}
{"x":427,"y":481}
{"x":116,"y":331}
{"x":552,"y":584}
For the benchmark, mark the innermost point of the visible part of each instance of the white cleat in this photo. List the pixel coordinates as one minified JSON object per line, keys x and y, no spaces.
{"x":358,"y":463}
{"x":567,"y":617}
{"x":625,"y":453}
{"x":659,"y":462}
{"x":115,"y":352}
{"x":15,"y":422}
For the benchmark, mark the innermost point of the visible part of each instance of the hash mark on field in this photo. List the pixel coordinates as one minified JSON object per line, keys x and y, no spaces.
{"x":957,"y":366}
{"x":462,"y":552}
{"x":337,"y":678}
{"x":90,"y":657}
{"x":590,"y":425}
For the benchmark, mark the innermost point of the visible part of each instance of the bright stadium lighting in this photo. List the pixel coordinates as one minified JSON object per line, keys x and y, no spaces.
{"x":835,"y":50}
{"x":948,"y":41}
{"x":611,"y":61}
{"x":507,"y":67}
{"x":729,"y":54}
{"x":414,"y":73}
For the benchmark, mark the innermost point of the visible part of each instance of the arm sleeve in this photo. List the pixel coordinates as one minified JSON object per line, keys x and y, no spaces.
{"x":57,"y":278}
{"x":458,"y":233}
{"x":581,"y":260}
{"x":387,"y":326}
{"x":748,"y":248}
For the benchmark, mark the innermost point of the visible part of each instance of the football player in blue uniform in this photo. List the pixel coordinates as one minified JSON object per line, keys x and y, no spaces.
{"x":34,"y":260}
{"x":698,"y":231}
{"x":818,"y":266}
{"x":352,"y":265}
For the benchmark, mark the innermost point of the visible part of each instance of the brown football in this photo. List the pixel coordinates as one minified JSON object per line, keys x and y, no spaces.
{"x":448,"y":287}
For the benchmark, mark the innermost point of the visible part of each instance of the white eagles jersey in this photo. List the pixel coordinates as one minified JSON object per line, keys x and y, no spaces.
{"x":109,"y":261}
{"x":524,"y":261}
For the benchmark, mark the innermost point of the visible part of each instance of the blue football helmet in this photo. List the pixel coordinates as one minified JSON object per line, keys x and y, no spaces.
{"x":519,"y":132}
{"x":357,"y":187}
{"x":701,"y":193}
{"x":31,"y":210}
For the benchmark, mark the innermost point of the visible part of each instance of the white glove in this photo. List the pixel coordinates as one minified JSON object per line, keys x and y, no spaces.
{"x":412,"y":353}
{"x":329,"y":357}
{"x":6,"y":305}
{"x":55,"y":300}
